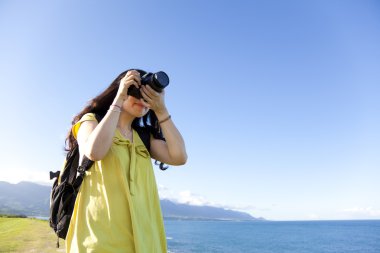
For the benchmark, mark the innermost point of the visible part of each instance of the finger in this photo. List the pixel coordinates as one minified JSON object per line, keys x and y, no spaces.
{"x":146,"y":97}
{"x":122,"y":80}
{"x":136,"y":77}
{"x":132,"y":71}
{"x":136,"y":74}
{"x":136,"y":80}
{"x":151,"y":91}
{"x":131,"y":82}
{"x":127,"y":76}
{"x":128,"y":73}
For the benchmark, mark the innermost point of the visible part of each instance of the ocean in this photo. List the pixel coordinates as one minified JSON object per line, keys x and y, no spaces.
{"x":273,"y":236}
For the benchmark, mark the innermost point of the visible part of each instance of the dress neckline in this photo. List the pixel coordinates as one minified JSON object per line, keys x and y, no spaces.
{"x":123,"y":137}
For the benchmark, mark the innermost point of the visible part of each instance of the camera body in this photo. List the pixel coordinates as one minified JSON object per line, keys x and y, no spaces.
{"x":158,"y":81}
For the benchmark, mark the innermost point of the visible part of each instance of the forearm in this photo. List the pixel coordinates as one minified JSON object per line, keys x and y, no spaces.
{"x":174,"y":140}
{"x":101,"y":138}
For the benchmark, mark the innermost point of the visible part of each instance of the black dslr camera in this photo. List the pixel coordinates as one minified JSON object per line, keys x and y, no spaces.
{"x":158,"y":81}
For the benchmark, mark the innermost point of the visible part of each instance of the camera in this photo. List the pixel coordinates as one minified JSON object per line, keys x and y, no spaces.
{"x":158,"y":81}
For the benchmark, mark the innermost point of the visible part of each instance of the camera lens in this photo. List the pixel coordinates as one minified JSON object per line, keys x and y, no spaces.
{"x":158,"y":81}
{"x":161,"y":80}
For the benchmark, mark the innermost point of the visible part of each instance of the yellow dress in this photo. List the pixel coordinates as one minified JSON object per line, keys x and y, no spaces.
{"x":117,"y":208}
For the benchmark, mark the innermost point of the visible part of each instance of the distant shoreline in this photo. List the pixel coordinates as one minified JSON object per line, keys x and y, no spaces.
{"x":45,"y":218}
{"x":205,"y":219}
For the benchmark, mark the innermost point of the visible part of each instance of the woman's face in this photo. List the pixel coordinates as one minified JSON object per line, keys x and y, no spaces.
{"x":135,"y":107}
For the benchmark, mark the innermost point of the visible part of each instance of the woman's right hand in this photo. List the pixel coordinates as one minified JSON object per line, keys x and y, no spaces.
{"x":132,"y":77}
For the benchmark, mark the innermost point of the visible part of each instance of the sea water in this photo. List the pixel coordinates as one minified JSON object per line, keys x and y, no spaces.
{"x":273,"y":237}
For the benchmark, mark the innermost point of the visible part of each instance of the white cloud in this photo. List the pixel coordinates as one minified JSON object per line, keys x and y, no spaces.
{"x":363,"y":212}
{"x":187,"y":197}
{"x":183,"y":197}
{"x":16,"y":175}
{"x":190,"y":198}
{"x":165,"y":193}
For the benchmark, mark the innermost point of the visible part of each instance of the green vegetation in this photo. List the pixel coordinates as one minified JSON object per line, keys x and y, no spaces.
{"x":27,"y":235}
{"x":13,"y":216}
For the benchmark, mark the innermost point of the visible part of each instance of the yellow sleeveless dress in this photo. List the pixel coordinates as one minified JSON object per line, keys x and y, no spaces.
{"x":117,"y":208}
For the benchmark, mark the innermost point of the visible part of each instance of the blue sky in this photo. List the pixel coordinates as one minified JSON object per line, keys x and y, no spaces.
{"x":278,"y":101}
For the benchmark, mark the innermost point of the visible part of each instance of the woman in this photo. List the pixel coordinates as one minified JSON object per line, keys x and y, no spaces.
{"x":118,"y":208}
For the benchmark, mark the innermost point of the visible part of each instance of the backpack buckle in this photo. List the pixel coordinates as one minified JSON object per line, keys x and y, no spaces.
{"x":81,"y":170}
{"x":54,"y":174}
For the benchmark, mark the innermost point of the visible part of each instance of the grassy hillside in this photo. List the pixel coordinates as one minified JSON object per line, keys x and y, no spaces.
{"x":27,"y":235}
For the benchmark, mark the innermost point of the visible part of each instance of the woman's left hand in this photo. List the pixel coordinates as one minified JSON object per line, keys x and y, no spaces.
{"x":155,"y":100}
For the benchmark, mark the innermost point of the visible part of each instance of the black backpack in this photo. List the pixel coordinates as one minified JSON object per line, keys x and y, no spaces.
{"x":66,"y":187}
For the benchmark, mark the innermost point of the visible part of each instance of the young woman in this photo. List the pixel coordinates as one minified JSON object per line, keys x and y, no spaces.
{"x":117,"y":208}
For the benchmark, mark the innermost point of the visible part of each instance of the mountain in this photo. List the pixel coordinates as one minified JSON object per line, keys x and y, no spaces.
{"x":26,"y":198}
{"x":183,"y":211}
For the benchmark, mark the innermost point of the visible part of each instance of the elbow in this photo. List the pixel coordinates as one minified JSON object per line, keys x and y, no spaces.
{"x":181,"y":160}
{"x":98,"y":151}
{"x":94,"y":156}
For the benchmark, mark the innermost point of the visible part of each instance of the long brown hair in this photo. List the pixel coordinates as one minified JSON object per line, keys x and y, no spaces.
{"x":101,"y":103}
